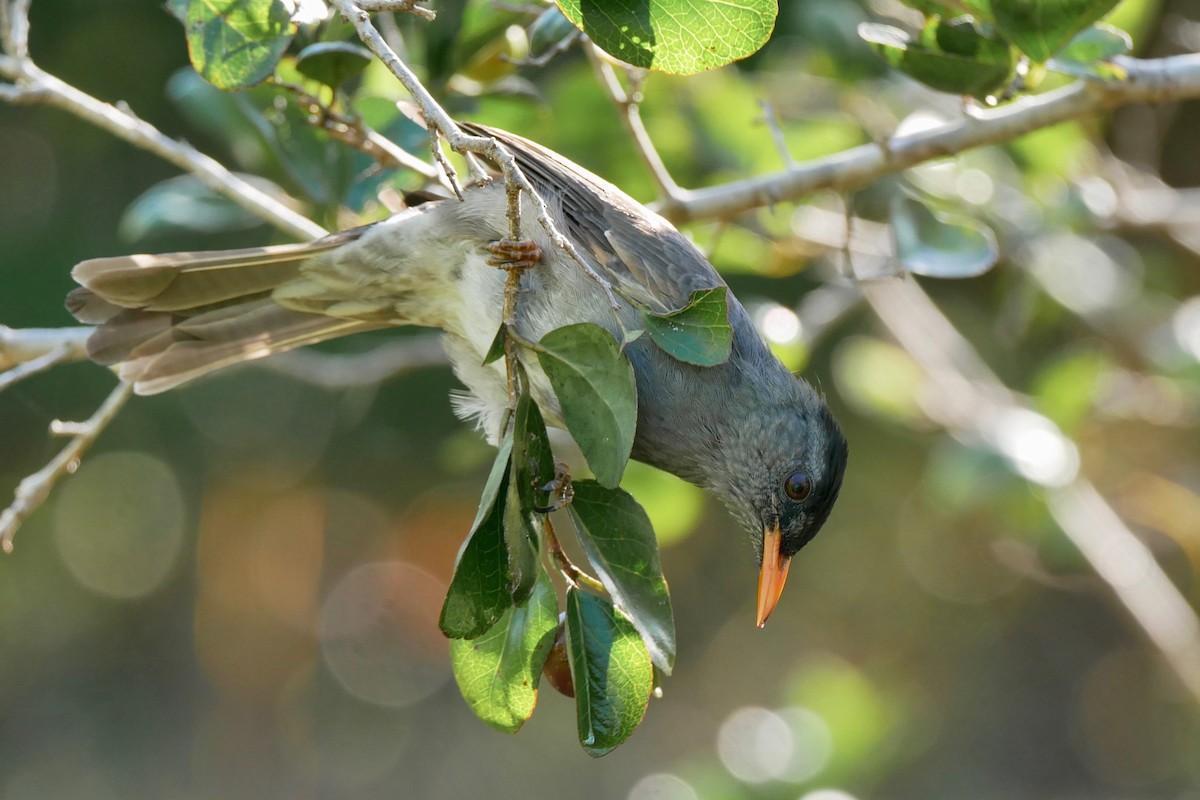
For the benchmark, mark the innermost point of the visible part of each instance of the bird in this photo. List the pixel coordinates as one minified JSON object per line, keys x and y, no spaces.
{"x":760,"y":439}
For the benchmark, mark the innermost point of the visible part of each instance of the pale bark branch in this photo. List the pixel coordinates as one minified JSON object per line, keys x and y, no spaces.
{"x":1149,"y":81}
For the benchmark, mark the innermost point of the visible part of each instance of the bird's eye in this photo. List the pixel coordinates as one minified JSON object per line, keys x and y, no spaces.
{"x":797,"y":486}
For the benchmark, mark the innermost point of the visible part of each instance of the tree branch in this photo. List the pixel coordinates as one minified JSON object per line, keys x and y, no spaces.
{"x":1149,"y":81}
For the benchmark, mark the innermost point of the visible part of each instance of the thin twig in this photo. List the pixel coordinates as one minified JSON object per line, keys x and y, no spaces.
{"x":573,"y":574}
{"x":20,"y":345}
{"x":59,"y":355}
{"x":1149,"y":81}
{"x":628,"y":103}
{"x":34,"y":489}
{"x":398,"y":6}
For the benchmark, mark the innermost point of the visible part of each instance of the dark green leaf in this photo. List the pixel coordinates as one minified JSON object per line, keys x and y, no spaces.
{"x":940,"y":246}
{"x":183,"y":203}
{"x":611,"y":671}
{"x":498,"y":672}
{"x":617,"y":537}
{"x":595,"y":387}
{"x":532,"y":467}
{"x":496,"y":349}
{"x":1040,"y":27}
{"x":951,"y":56}
{"x":681,"y":37}
{"x":479,"y":592}
{"x":237,"y":43}
{"x":1089,"y":54}
{"x":332,"y":63}
{"x":698,"y":333}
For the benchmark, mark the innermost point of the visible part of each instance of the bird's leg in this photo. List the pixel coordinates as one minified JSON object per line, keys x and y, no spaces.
{"x":560,"y":489}
{"x":514,"y":254}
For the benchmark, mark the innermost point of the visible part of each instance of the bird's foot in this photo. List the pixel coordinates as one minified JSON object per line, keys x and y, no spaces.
{"x":560,"y":490}
{"x":514,"y":254}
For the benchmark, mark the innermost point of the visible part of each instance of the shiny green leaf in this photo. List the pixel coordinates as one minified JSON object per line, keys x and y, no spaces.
{"x":480,"y":592}
{"x":332,"y":63}
{"x":617,"y":537}
{"x":699,"y":333}
{"x":532,"y":468}
{"x":595,"y":387}
{"x":496,"y":348}
{"x":1041,"y":27}
{"x":234,"y":44}
{"x":183,"y":203}
{"x":498,"y":672}
{"x":681,"y":37}
{"x":1089,"y":54}
{"x":941,"y":246}
{"x":611,"y":671}
{"x":549,"y":30}
{"x":954,"y":57}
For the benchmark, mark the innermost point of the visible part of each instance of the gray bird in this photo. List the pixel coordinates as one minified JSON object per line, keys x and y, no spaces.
{"x":750,"y":432}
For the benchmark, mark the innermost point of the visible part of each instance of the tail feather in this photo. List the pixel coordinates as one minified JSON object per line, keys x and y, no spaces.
{"x":170,"y":318}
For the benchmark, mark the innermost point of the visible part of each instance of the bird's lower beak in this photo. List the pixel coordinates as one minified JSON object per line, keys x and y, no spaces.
{"x":774,"y":573}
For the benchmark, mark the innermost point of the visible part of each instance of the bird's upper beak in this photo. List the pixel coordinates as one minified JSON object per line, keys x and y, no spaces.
{"x":774,"y":573}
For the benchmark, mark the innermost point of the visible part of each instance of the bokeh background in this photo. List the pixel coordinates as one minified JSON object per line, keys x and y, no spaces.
{"x":236,"y":595}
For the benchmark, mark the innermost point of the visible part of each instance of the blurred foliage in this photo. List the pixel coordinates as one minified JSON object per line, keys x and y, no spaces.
{"x":265,"y":626}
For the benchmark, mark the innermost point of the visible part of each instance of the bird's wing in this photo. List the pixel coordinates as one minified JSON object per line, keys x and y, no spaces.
{"x":645,"y":258}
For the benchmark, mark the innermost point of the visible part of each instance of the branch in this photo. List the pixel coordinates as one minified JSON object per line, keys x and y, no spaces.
{"x":967,"y":399}
{"x":21,"y":345}
{"x":31,"y":85}
{"x":33,"y":490}
{"x":1149,"y":81}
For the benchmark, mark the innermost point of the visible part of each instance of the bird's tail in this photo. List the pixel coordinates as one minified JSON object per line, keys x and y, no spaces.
{"x":167,"y":319}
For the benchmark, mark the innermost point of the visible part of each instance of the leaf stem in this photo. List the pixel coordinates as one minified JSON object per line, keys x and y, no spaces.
{"x":571,"y":573}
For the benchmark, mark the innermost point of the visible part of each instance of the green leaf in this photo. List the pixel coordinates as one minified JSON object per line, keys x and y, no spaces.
{"x":532,"y":468}
{"x":617,"y":537}
{"x":1041,"y":27}
{"x":183,"y":203}
{"x":681,"y":37}
{"x":1089,"y":54}
{"x":699,"y":333}
{"x":611,"y":671}
{"x":479,"y":592}
{"x":496,"y":349}
{"x":332,"y":63}
{"x":595,"y":387}
{"x":498,"y":672}
{"x":237,"y":43}
{"x":941,"y":246}
{"x":548,"y":31}
{"x":954,"y":57}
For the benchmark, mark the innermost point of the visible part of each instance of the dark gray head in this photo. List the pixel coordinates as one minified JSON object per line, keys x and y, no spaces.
{"x":779,"y":470}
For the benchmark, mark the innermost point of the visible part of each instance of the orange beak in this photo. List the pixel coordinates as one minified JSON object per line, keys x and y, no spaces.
{"x":773,"y":575}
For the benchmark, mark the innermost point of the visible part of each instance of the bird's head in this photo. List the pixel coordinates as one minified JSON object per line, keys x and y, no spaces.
{"x":782,"y":462}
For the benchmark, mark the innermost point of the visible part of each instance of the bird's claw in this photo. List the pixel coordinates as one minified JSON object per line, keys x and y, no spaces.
{"x":518,"y":254}
{"x":559,"y":488}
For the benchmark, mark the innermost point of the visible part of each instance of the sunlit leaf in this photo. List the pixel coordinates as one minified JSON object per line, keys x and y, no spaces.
{"x":617,"y":538}
{"x":941,"y":246}
{"x":594,"y":384}
{"x":332,"y":63}
{"x":498,"y":672}
{"x":698,"y":333}
{"x":183,"y":203}
{"x":681,"y":37}
{"x":479,"y":592}
{"x":954,"y":56}
{"x":237,"y":43}
{"x":611,"y":670}
{"x":1089,"y":54}
{"x":1041,"y":27}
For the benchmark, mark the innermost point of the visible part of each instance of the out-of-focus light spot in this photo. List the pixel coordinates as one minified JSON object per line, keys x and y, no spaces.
{"x":308,"y":12}
{"x":755,"y":744}
{"x":663,"y":786}
{"x":674,"y":506}
{"x":917,"y":122}
{"x":812,"y":744}
{"x":1098,"y":195}
{"x":1036,"y":448}
{"x":379,"y":634}
{"x":1080,"y":274}
{"x":827,"y":794}
{"x":779,"y":324}
{"x":1186,"y":327}
{"x":974,"y":186}
{"x":119,"y":524}
{"x":880,"y":378}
